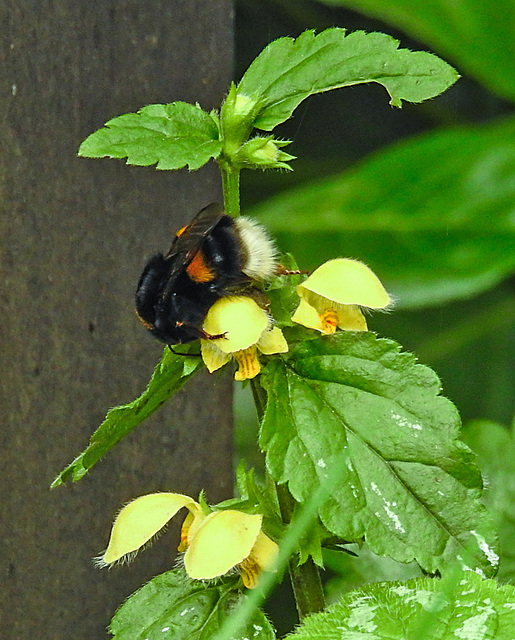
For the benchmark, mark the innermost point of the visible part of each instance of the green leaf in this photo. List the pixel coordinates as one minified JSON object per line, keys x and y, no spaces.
{"x":169,"y":376}
{"x":255,"y":498}
{"x":477,"y":35}
{"x":282,"y":293}
{"x":356,"y":402}
{"x":421,"y":609}
{"x":172,"y":607}
{"x":288,"y":71}
{"x":351,"y":572}
{"x":495,"y":447}
{"x":172,"y":135}
{"x":432,"y":216}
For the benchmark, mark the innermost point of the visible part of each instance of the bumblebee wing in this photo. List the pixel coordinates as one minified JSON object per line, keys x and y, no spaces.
{"x":189,"y":238}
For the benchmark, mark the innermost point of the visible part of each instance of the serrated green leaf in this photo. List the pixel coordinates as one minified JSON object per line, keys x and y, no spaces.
{"x":478,"y":35}
{"x":169,"y":376}
{"x":172,"y":135}
{"x":173,"y":607}
{"x":432,"y":216}
{"x":408,"y":485}
{"x":470,"y":609}
{"x":288,"y":71}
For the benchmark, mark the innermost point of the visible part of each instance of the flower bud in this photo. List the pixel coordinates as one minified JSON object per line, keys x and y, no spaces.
{"x":264,"y":153}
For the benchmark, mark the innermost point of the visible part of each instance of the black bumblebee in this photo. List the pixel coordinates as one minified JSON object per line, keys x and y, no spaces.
{"x":212,"y":257}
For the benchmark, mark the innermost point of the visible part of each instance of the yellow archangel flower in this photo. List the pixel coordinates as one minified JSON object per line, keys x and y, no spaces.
{"x":332,"y":295}
{"x":247,"y":329}
{"x":214,"y":543}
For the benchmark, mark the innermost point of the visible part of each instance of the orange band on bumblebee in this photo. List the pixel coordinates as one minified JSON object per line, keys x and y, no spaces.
{"x":145,"y":323}
{"x":198,"y":270}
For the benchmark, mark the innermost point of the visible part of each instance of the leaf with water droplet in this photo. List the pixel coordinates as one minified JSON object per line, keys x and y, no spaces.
{"x":173,"y":607}
{"x":495,"y":446}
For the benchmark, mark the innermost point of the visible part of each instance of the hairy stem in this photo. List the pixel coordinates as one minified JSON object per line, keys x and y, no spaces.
{"x":231,"y":188}
{"x":305,"y":579}
{"x":259,"y":395}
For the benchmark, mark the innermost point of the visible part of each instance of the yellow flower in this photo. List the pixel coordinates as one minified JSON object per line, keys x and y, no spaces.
{"x":247,"y":329}
{"x":226,"y":539}
{"x":214,"y":543}
{"x":332,"y":295}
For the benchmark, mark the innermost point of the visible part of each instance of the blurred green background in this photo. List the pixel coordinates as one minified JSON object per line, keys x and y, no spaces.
{"x":426,"y":196}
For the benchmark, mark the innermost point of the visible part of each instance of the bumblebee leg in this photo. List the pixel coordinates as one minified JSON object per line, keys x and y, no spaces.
{"x":200,"y":333}
{"x":218,"y":336}
{"x":178,"y":353}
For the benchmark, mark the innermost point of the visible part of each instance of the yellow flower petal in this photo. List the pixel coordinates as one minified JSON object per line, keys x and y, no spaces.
{"x":189,"y":528}
{"x":307,"y":315}
{"x":249,"y":571}
{"x":329,"y":319}
{"x":344,"y":281}
{"x":350,"y":318}
{"x":248,"y":364}
{"x":262,"y":558}
{"x":214,"y":358}
{"x":272,"y":341}
{"x":223,"y":540}
{"x":240,"y":318}
{"x":265,"y":552}
{"x":185,"y":532}
{"x":141,"y":519}
{"x":346,"y":316}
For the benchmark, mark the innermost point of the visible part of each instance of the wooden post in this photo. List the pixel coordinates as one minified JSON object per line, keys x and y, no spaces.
{"x":75,"y":236}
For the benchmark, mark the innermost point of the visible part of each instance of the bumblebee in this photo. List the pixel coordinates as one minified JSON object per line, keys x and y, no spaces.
{"x":212,"y":257}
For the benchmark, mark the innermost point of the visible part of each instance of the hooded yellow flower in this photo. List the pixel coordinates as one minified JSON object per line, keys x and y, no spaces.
{"x":226,"y":539}
{"x":214,"y":543}
{"x":332,"y":296}
{"x":247,"y":329}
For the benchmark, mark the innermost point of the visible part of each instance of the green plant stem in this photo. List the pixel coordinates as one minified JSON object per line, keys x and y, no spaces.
{"x":231,"y":188}
{"x":305,"y":579}
{"x":259,"y":396}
